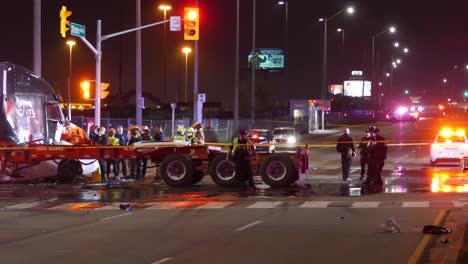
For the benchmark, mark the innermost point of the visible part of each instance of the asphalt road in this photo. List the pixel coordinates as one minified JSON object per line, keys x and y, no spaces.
{"x":48,"y":223}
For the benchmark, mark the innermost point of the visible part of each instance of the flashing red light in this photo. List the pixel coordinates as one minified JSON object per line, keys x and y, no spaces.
{"x":255,"y":136}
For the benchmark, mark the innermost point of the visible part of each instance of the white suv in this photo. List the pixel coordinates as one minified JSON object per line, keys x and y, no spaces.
{"x":449,"y":146}
{"x":285,"y":137}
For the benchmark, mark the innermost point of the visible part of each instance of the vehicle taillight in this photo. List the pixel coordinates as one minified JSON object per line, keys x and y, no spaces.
{"x":387,"y":116}
{"x":254,"y":136}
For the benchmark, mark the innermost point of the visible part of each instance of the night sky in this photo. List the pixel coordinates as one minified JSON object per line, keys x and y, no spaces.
{"x":434,"y":31}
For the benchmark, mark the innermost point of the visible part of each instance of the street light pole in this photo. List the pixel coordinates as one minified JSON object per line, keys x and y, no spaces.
{"x":70,"y":43}
{"x":254,"y":64}
{"x":165,"y":8}
{"x":138,"y":98}
{"x":236,"y":72}
{"x":186,"y":51}
{"x":324,"y":90}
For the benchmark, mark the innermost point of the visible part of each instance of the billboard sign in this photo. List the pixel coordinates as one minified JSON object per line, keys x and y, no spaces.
{"x":266,"y":58}
{"x":336,"y":88}
{"x":357,"y":88}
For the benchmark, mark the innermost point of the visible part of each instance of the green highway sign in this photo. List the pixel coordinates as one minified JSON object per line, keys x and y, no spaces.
{"x":77,"y":30}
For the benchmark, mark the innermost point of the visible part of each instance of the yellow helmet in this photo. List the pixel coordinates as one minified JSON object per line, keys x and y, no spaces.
{"x":190,"y":130}
{"x":180,"y":129}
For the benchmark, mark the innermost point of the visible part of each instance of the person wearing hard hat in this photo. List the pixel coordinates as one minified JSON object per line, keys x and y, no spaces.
{"x":242,"y":150}
{"x":190,"y":137}
{"x":180,"y":134}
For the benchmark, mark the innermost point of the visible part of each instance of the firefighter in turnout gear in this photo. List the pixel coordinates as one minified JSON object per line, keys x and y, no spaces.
{"x":242,"y":150}
{"x":190,"y":137}
{"x":180,"y":135}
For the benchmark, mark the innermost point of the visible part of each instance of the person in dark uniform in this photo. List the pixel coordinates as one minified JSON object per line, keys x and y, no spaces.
{"x":242,"y":150}
{"x":102,"y":140}
{"x":158,"y":134}
{"x":379,"y":153}
{"x":136,"y":164}
{"x":345,"y":146}
{"x":363,"y":153}
{"x":123,"y":140}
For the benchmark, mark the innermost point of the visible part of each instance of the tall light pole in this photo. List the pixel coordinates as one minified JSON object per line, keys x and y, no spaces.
{"x":236,"y":72}
{"x":324,"y":91}
{"x":391,"y":30}
{"x":37,"y":65}
{"x":186,"y":50}
{"x":285,"y":4}
{"x":164,"y":8}
{"x":138,"y":97}
{"x":254,"y":63}
{"x":70,"y":43}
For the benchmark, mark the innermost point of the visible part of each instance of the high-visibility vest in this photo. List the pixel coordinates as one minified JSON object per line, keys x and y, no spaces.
{"x":248,"y":145}
{"x":179,"y":138}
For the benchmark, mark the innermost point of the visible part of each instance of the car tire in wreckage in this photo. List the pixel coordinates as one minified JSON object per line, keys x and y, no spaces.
{"x":223,"y":171}
{"x":68,"y":171}
{"x":177,"y":170}
{"x":277,"y":170}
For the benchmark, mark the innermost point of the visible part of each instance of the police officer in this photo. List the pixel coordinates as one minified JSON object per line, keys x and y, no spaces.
{"x":370,"y":157}
{"x":363,"y":153}
{"x":379,"y":153}
{"x":123,"y":140}
{"x":241,"y":150}
{"x":345,"y":146}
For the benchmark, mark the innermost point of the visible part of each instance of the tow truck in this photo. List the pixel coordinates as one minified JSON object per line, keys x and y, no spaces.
{"x":36,"y":142}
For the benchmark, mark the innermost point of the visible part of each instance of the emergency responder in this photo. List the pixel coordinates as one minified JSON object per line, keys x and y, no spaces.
{"x":242,"y":150}
{"x":199,"y":133}
{"x":345,"y":146}
{"x":190,"y":137}
{"x":180,"y":135}
{"x":378,"y":153}
{"x":112,"y":141}
{"x":363,"y":153}
{"x":123,"y":141}
{"x":145,"y":136}
{"x":135,"y":164}
{"x":102,"y":140}
{"x":370,"y":157}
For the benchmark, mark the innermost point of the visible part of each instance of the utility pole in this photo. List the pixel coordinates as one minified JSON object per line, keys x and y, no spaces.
{"x":138,"y":66}
{"x":37,"y":61}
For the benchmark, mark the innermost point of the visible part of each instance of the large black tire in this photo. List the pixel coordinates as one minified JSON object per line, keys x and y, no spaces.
{"x":277,"y":170}
{"x":177,"y":170}
{"x":223,"y":172}
{"x":68,"y":170}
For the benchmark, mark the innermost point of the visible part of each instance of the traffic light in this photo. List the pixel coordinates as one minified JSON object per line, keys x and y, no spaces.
{"x":64,"y":14}
{"x":85,"y":90}
{"x":406,"y":91}
{"x":191,"y":23}
{"x":104,"y":92}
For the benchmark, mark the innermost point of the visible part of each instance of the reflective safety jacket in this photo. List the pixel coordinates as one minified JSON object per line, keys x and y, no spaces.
{"x":179,"y":138}
{"x":242,"y":145}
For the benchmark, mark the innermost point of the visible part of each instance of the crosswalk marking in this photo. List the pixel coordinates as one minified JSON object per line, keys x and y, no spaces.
{"x":215,"y":205}
{"x":415,"y":204}
{"x":315,"y":204}
{"x":23,"y":205}
{"x":164,"y":205}
{"x":261,"y":205}
{"x":365,"y":204}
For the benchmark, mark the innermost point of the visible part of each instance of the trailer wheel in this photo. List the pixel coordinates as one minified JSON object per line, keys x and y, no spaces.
{"x":278,"y":170}
{"x":68,"y":170}
{"x":177,"y":170}
{"x":223,"y":171}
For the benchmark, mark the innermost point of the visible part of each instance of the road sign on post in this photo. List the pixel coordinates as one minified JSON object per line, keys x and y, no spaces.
{"x":77,"y":30}
{"x":174,"y":23}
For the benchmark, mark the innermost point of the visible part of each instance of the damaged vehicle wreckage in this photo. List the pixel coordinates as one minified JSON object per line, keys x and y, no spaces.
{"x":36,"y":141}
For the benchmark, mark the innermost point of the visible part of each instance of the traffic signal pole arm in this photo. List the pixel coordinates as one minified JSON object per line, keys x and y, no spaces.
{"x":132,"y":30}
{"x":98,"y":55}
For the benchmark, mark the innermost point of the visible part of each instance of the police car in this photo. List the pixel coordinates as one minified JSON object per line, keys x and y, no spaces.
{"x":449,"y":146}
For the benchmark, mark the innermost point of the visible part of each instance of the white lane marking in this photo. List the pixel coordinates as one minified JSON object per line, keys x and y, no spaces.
{"x":115,"y":216}
{"x":162,"y":260}
{"x":113,"y":206}
{"x":215,"y":205}
{"x":315,"y":205}
{"x":247,"y":226}
{"x":64,"y":206}
{"x":265,"y":205}
{"x":415,"y":204}
{"x":164,"y":205}
{"x":366,"y":204}
{"x":459,"y":204}
{"x":23,"y":205}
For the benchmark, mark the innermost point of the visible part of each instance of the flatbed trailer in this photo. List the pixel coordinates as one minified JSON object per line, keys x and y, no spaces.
{"x":180,"y":165}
